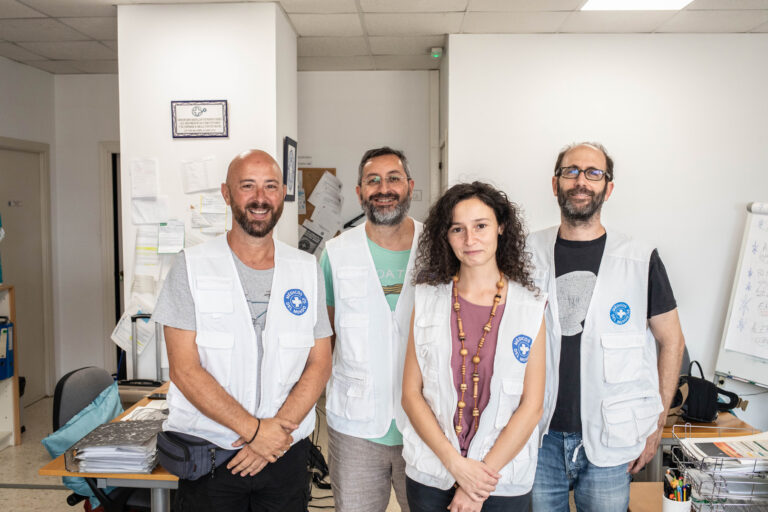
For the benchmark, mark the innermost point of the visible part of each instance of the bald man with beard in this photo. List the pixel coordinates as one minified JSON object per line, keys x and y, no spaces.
{"x":248,"y":341}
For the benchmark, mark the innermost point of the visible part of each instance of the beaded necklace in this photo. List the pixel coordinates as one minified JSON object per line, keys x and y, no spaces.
{"x":476,"y":358}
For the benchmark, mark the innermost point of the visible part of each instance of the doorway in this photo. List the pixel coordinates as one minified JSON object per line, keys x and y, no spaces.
{"x":26,"y":258}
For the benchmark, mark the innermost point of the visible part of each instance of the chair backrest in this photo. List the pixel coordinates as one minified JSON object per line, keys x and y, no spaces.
{"x":76,"y":390}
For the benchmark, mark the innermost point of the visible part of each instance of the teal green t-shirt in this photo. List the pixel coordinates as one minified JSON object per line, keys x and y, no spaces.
{"x":390,"y":267}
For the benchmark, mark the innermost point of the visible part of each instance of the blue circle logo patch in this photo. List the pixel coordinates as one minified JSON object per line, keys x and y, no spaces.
{"x":620,"y":313}
{"x":521,"y":347}
{"x":296,"y":302}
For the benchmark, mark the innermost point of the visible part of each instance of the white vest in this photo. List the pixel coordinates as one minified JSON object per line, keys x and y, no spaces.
{"x":226,"y":340}
{"x":432,"y":334}
{"x":620,"y":401}
{"x":363,"y":393}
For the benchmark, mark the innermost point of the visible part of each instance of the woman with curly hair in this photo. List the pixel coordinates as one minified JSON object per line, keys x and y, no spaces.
{"x":473,"y":382}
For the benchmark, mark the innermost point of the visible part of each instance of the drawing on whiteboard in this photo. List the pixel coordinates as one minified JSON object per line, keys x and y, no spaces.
{"x":761,"y":341}
{"x":762,"y":289}
{"x":763,"y":256}
{"x":762,"y":308}
{"x":762,"y":224}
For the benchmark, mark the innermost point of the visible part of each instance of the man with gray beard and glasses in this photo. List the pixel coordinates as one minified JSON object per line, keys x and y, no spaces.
{"x":607,"y":391}
{"x":370,"y":297}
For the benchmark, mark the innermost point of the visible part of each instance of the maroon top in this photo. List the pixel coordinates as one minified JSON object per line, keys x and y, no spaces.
{"x":473,"y":317}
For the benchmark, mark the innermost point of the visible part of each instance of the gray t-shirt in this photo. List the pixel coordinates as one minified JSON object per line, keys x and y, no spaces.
{"x":176,"y":308}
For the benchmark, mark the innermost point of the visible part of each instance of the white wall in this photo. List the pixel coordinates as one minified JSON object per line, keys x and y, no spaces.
{"x":26,"y":102}
{"x":344,"y":113}
{"x":684,"y":117}
{"x":194,"y":52}
{"x":86,"y":113}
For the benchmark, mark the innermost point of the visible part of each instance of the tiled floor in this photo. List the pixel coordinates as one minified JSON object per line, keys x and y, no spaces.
{"x":19,"y":465}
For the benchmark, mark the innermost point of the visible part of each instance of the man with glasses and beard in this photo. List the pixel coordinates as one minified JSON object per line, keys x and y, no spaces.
{"x":248,"y":341}
{"x":370,"y":297}
{"x":607,"y":390}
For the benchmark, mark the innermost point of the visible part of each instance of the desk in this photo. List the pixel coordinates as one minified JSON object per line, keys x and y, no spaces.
{"x":725,"y":420}
{"x":645,"y":496}
{"x":160,"y":482}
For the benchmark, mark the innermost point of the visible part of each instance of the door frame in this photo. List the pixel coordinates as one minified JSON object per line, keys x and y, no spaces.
{"x":44,"y":153}
{"x":106,"y":150}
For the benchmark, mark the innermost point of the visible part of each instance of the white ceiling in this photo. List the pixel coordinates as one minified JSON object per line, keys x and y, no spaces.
{"x":80,"y":36}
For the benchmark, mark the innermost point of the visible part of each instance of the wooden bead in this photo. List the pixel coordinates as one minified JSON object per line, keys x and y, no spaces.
{"x":475,"y":412}
{"x":461,"y":404}
{"x":476,"y":359}
{"x":458,"y":429}
{"x":475,"y":377}
{"x":456,"y":278}
{"x":463,"y":386}
{"x":487,"y":327}
{"x":456,"y":306}
{"x":463,"y":351}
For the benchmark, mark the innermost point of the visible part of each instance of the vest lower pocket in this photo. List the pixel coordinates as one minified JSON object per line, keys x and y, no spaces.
{"x":509,"y":399}
{"x":350,"y":397}
{"x":292,"y":356}
{"x":629,"y":419}
{"x":215,"y":350}
{"x":623,"y":357}
{"x":353,"y":338}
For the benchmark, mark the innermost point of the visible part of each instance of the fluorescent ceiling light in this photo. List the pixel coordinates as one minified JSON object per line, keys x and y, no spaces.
{"x":635,"y":5}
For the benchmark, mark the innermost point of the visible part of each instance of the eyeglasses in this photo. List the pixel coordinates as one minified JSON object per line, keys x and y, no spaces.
{"x":571,"y":173}
{"x":391,"y":179}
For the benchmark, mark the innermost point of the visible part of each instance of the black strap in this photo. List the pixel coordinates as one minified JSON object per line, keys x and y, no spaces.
{"x":690,"y":369}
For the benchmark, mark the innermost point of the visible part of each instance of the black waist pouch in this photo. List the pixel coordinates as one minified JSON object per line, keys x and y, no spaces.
{"x":189,"y":457}
{"x":702,"y":404}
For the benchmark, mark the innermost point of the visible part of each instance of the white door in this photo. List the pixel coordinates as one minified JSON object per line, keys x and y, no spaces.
{"x":21,"y":253}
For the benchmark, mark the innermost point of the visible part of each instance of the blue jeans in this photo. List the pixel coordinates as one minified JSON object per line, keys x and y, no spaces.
{"x":563,"y":465}
{"x":423,"y":498}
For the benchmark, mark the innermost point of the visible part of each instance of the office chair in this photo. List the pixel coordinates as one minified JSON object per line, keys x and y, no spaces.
{"x":75,"y":391}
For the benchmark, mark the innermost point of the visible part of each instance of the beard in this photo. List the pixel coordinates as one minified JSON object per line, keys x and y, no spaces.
{"x":257,"y":228}
{"x":584,"y":212}
{"x":386,"y":216}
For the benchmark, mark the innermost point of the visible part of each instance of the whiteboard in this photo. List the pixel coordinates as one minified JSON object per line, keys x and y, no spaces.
{"x":743,"y":351}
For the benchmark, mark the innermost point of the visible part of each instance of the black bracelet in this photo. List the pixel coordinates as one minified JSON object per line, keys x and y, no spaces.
{"x":257,"y":431}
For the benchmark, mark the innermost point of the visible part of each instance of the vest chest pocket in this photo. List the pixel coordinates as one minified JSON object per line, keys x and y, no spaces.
{"x":352,"y":282}
{"x":509,"y":399}
{"x":292,"y":356}
{"x":349,"y":396}
{"x":623,"y":357}
{"x":214,"y":294}
{"x":215,"y":350}
{"x":629,"y":419}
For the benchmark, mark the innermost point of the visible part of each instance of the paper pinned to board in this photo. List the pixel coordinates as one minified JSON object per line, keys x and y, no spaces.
{"x":212,"y":203}
{"x":146,"y":263}
{"x":145,"y":329}
{"x":201,"y":174}
{"x":327,"y":191}
{"x":150,"y":211}
{"x":144,"y":182}
{"x":170,"y":239}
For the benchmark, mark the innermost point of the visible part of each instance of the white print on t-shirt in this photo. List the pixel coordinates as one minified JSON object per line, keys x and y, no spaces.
{"x":574,"y":291}
{"x":390,"y":275}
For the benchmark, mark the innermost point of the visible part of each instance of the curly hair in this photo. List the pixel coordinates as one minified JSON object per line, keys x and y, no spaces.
{"x":436,"y":262}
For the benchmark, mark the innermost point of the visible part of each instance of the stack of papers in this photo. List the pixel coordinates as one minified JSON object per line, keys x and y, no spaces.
{"x":119,"y":447}
{"x":154,"y":410}
{"x":747,"y":452}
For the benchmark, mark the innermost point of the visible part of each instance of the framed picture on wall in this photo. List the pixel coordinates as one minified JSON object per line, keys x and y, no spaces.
{"x":289,"y":168}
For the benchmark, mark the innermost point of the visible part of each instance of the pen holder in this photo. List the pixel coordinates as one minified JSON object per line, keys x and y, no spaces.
{"x":669,"y":505}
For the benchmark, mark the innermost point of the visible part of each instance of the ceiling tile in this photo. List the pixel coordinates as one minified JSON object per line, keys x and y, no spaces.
{"x":413,"y":24}
{"x":103,"y":67}
{"x":512,"y":22}
{"x":59,"y":8}
{"x":413,"y":5}
{"x":97,"y":28}
{"x":72,"y":50}
{"x":43,"y":29}
{"x":715,"y":21}
{"x":110,"y":44}
{"x":13,"y":9}
{"x":359,"y":62}
{"x":16,"y":52}
{"x":588,"y":22}
{"x":727,"y":5}
{"x":57,"y":67}
{"x":524,"y":5}
{"x":405,"y":62}
{"x":404,"y":45}
{"x":338,"y":25}
{"x":332,"y":46}
{"x":318,"y":6}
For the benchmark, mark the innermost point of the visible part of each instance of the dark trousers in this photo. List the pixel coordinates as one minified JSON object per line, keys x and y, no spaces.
{"x":282,"y":486}
{"x":422,"y":498}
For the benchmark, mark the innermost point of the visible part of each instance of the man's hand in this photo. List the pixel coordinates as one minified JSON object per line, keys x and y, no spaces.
{"x":246,"y":462}
{"x":476,"y":478}
{"x":463,"y":503}
{"x":273,"y":440}
{"x":651,"y":447}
